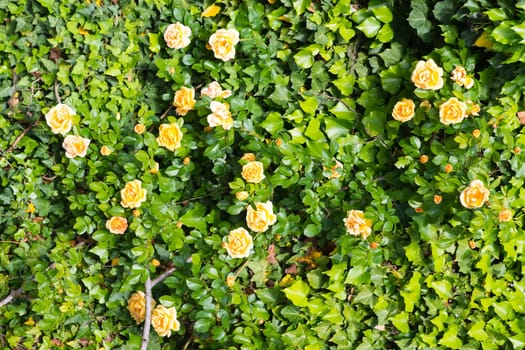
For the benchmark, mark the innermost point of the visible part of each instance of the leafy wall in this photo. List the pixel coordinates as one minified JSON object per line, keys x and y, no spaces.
{"x":375,"y":197}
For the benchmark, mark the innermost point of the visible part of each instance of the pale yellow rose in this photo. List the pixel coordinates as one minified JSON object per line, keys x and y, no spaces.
{"x":452,"y":111}
{"x":177,"y":36}
{"x":75,"y":146}
{"x":242,"y":195}
{"x":223,"y":42}
{"x":427,"y":75}
{"x":105,"y":150}
{"x":253,"y":172}
{"x":214,"y":90}
{"x":139,"y":128}
{"x":170,"y":136}
{"x":356,"y":224}
{"x":475,"y":195}
{"x":250,"y":157}
{"x":505,"y":215}
{"x":220,"y":116}
{"x":460,"y":77}
{"x":117,"y":225}
{"x":260,"y":218}
{"x":137,"y":306}
{"x":239,"y":243}
{"x":164,"y":320}
{"x":230,"y":280}
{"x":60,"y":119}
{"x":132,"y":195}
{"x":184,"y":100}
{"x":404,"y":110}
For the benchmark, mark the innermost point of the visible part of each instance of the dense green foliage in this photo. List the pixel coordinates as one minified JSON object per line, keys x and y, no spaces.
{"x":314,"y":85}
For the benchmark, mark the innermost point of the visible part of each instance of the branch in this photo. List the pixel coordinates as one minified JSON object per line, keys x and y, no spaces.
{"x":148,"y":286}
{"x":11,"y":296}
{"x":57,"y":96}
{"x":26,"y":130}
{"x":166,"y":112}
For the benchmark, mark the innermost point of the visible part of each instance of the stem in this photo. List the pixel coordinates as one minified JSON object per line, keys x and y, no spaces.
{"x":148,"y":286}
{"x":188,"y":342}
{"x":26,"y":130}
{"x":56,"y":92}
{"x":11,"y":296}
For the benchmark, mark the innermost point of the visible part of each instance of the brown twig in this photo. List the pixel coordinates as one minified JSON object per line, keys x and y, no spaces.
{"x":57,"y":96}
{"x":11,"y":296}
{"x":26,"y":130}
{"x":148,"y":286}
{"x":166,"y":112}
{"x":188,"y":342}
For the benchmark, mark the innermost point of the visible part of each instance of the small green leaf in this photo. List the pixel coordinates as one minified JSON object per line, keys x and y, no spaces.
{"x":400,"y":321}
{"x":443,"y":288}
{"x":309,"y":105}
{"x":297,"y":293}
{"x":450,"y":338}
{"x":477,"y":331}
{"x":301,"y":5}
{"x":369,"y":27}
{"x":345,"y":84}
{"x":273,"y":123}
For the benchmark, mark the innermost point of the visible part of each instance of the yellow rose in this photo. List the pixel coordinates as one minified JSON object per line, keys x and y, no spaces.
{"x":117,"y":225}
{"x":169,"y":136}
{"x":357,"y":225}
{"x":404,"y":110}
{"x":230,"y":280}
{"x":260,"y":218}
{"x":239,"y":243}
{"x":60,"y":119}
{"x":250,"y":157}
{"x":253,"y":172}
{"x":223,"y":42}
{"x":427,"y":75}
{"x":452,"y":112}
{"x":139,"y":128}
{"x":475,"y":195}
{"x":214,"y":90}
{"x":460,"y":77}
{"x":505,"y":215}
{"x":211,"y":11}
{"x":75,"y":146}
{"x":242,"y":195}
{"x":164,"y":320}
{"x":137,"y":306}
{"x":105,"y":150}
{"x":220,"y":116}
{"x":177,"y":36}
{"x":132,"y":195}
{"x":184,"y":100}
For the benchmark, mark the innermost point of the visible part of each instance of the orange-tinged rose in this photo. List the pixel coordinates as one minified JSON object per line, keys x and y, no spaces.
{"x":177,"y":36}
{"x":448,"y":168}
{"x":184,"y":100}
{"x":404,"y":110}
{"x":132,"y":195}
{"x":137,"y":306}
{"x":164,"y":320}
{"x":253,"y":172}
{"x":220,"y":116}
{"x":223,"y":42}
{"x":260,"y":218}
{"x":505,"y":215}
{"x":475,"y":195}
{"x":75,"y":146}
{"x":356,"y":224}
{"x":117,"y":225}
{"x":105,"y":150}
{"x":437,"y":199}
{"x":250,"y":157}
{"x":211,"y":11}
{"x":423,"y":159}
{"x":452,"y":111}
{"x":428,"y":75}
{"x":60,"y":118}
{"x":139,"y":128}
{"x":476,"y":133}
{"x":214,"y":90}
{"x":239,"y":243}
{"x":170,"y":136}
{"x":333,"y":169}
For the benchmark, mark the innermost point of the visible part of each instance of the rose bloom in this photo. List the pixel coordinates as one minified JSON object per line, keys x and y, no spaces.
{"x":242,"y":195}
{"x":459,"y":75}
{"x":211,"y":11}
{"x":427,"y":75}
{"x":214,"y":90}
{"x":184,"y":100}
{"x":220,"y":116}
{"x":105,"y":150}
{"x":248,"y":156}
{"x":164,"y":320}
{"x":261,"y":218}
{"x":404,"y":110}
{"x":170,"y":136}
{"x":356,"y":224}
{"x":117,"y":225}
{"x":452,"y":112}
{"x":75,"y":146}
{"x":230,"y":280}
{"x":239,"y":243}
{"x":139,"y":128}
{"x":437,"y":199}
{"x":60,"y":119}
{"x":505,"y":215}
{"x":475,"y":195}
{"x":137,"y":306}
{"x":132,"y":195}
{"x":334,"y":173}
{"x":223,"y":42}
{"x":253,"y":172}
{"x":177,"y":36}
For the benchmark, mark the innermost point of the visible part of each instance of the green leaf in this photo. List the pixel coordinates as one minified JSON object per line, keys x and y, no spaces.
{"x":381,"y":11}
{"x":309,"y":105}
{"x":273,"y":123}
{"x":417,"y":18}
{"x":280,"y":96}
{"x":385,"y":34}
{"x":202,"y":325}
{"x":477,"y":331}
{"x":335,"y":129}
{"x":443,"y":288}
{"x":297,"y":293}
{"x":194,"y":217}
{"x":518,"y":341}
{"x":305,"y":57}
{"x":154,"y":45}
{"x":301,"y":5}
{"x":374,"y":123}
{"x":313,"y":130}
{"x":345,"y":84}
{"x":450,"y":338}
{"x":369,"y":27}
{"x":400,"y":321}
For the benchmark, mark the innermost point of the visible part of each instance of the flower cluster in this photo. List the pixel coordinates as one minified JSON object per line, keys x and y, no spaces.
{"x":164,"y":320}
